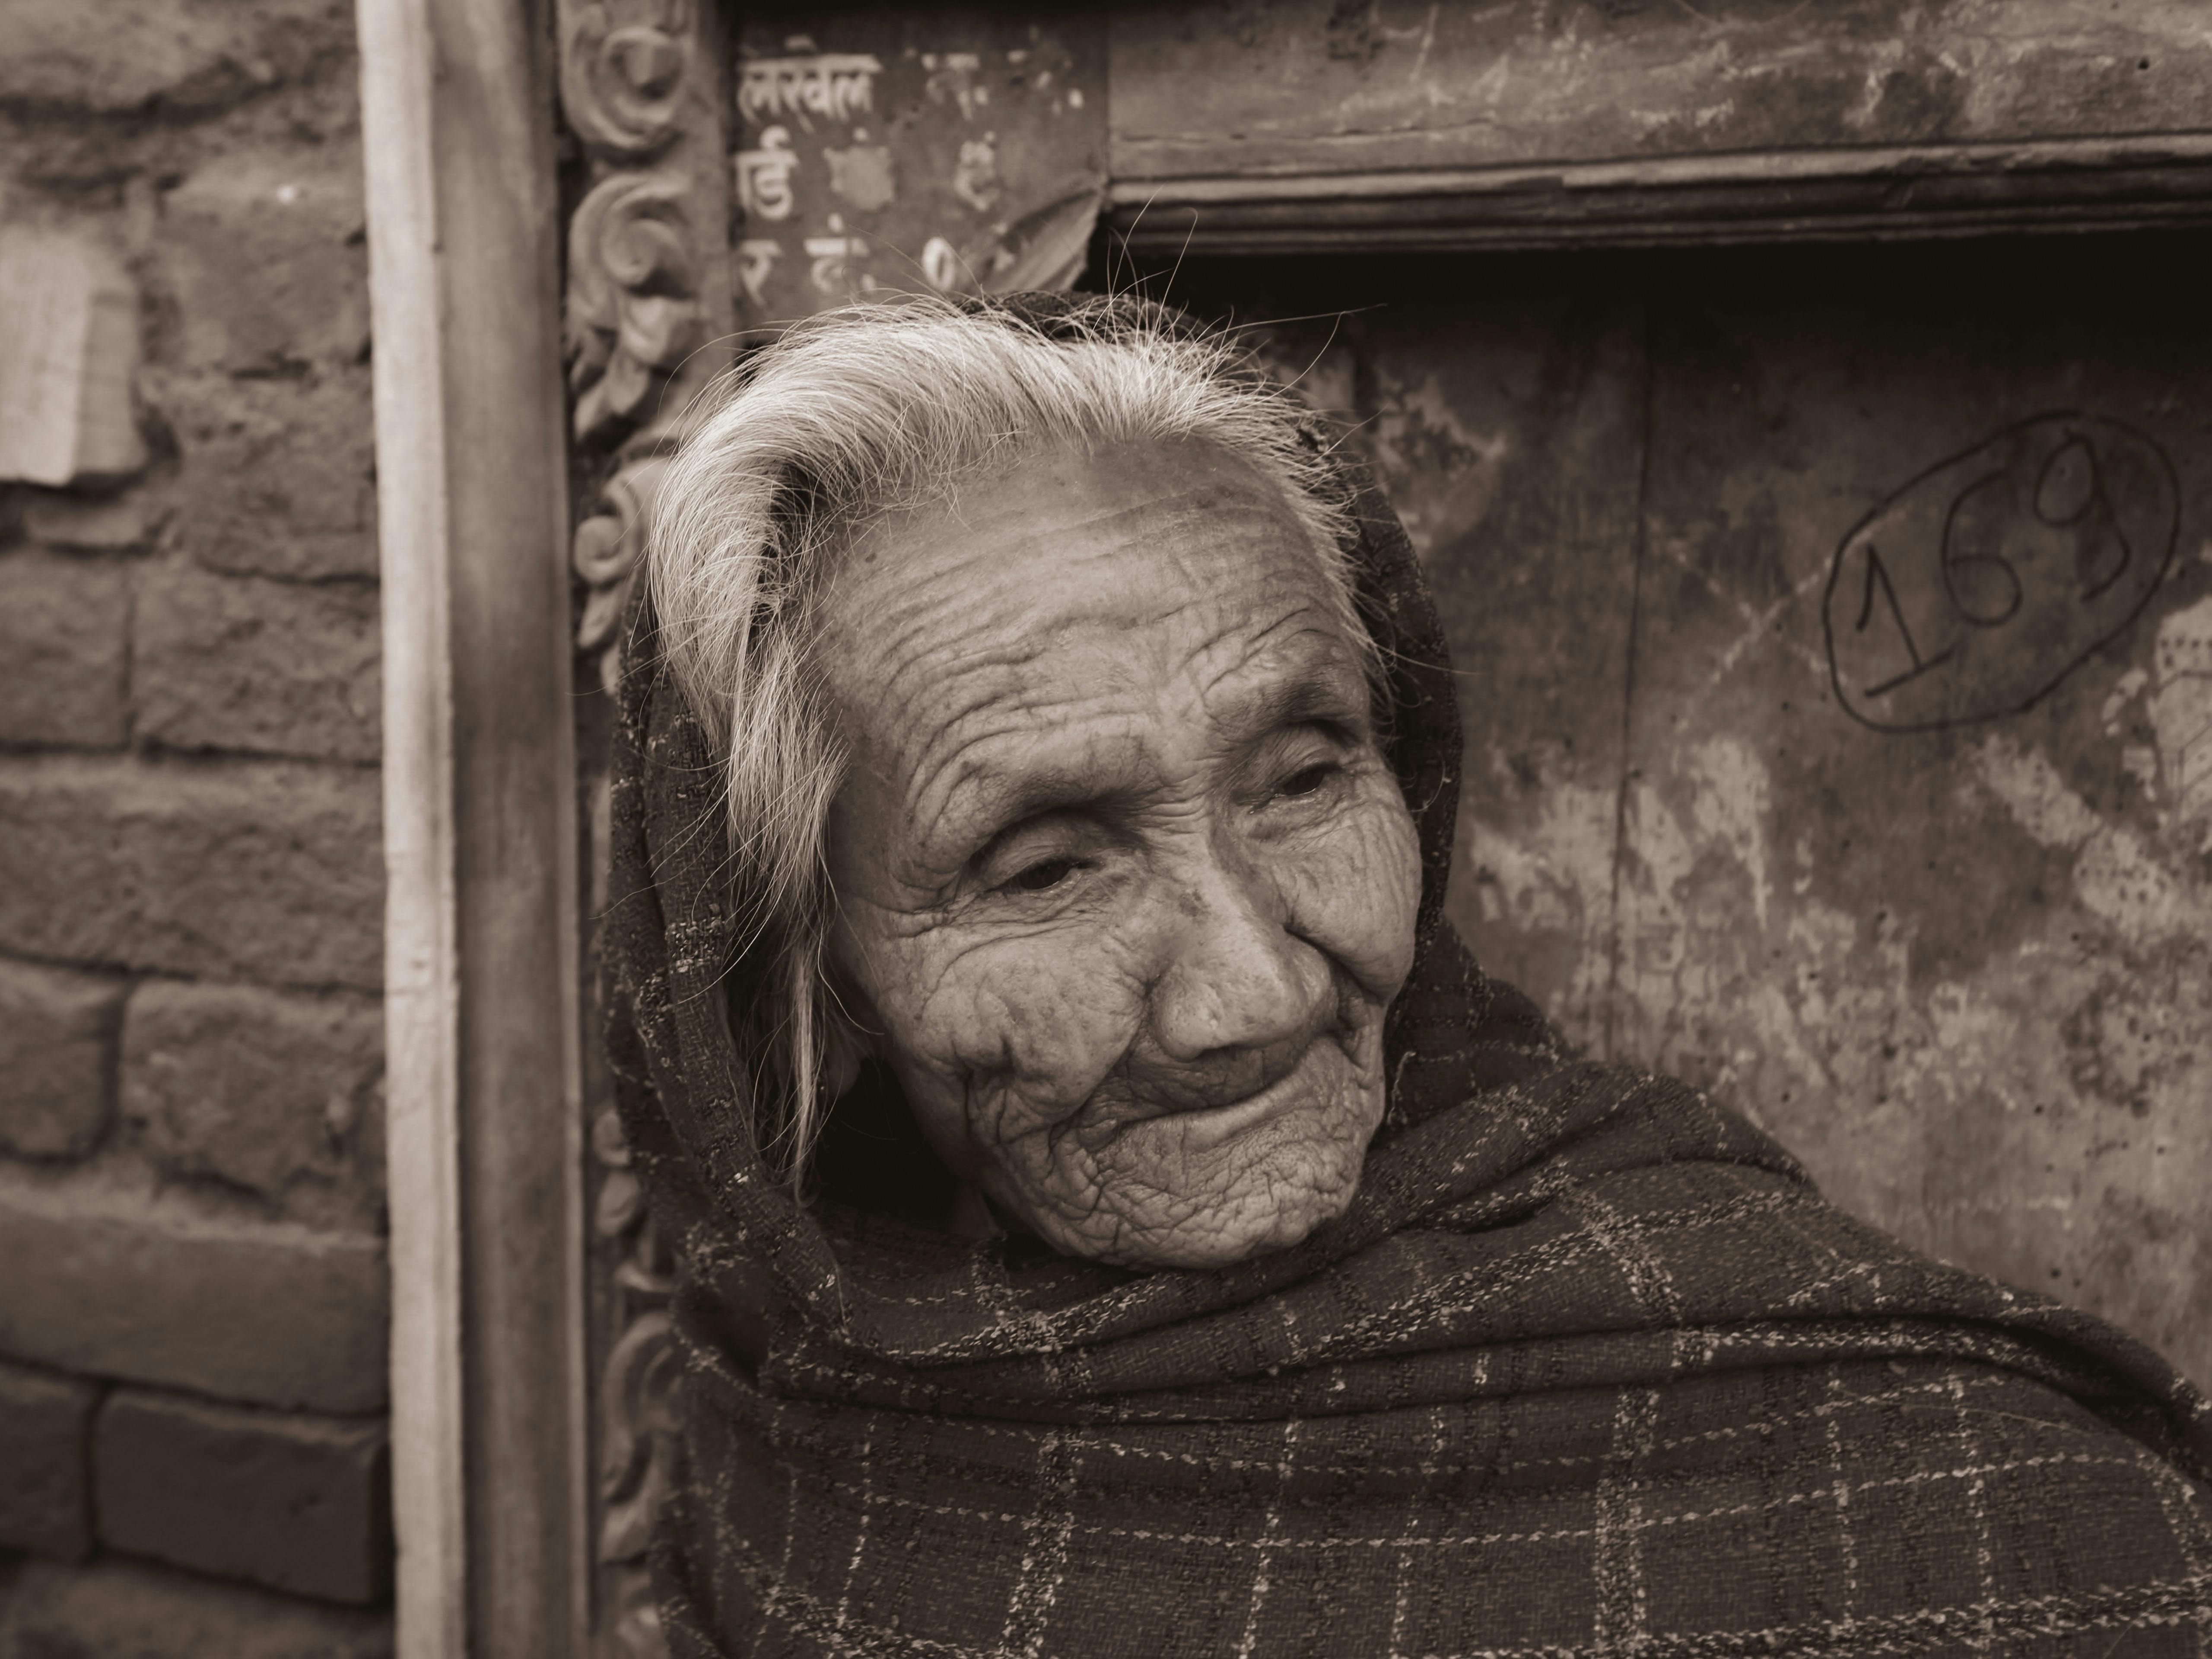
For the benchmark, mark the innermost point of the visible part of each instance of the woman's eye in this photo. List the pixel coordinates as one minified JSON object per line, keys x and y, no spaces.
{"x":1038,"y":876}
{"x":1310,"y":781}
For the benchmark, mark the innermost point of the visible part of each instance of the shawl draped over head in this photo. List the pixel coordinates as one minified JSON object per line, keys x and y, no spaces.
{"x":1588,"y":1367}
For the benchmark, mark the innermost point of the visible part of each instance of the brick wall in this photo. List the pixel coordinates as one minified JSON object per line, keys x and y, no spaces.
{"x":192,"y":1294}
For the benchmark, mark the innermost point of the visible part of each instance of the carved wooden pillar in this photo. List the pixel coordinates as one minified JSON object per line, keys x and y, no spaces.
{"x":647,"y":323}
{"x":649,"y":310}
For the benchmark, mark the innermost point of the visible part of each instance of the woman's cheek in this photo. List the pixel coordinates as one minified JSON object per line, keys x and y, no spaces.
{"x":1354,"y":889}
{"x":1031,"y":1025}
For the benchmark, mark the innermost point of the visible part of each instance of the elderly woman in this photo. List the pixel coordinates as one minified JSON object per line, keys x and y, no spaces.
{"x":1115,"y":1216}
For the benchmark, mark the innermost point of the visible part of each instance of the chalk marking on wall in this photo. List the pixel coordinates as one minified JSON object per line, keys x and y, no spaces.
{"x":1762,"y":624}
{"x":1975,"y":589}
{"x":1681,"y":552}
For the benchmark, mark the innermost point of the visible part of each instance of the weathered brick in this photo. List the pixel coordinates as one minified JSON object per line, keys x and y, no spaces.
{"x":56,"y":1059}
{"x":243,"y":870}
{"x":281,"y":668}
{"x":125,"y":54}
{"x":63,"y":624}
{"x":45,"y":1500}
{"x":118,"y":1609}
{"x":279,"y":475}
{"x":142,"y":1286}
{"x":294,"y":1502}
{"x":89,"y":524}
{"x":263,"y":251}
{"x":279,"y":1094}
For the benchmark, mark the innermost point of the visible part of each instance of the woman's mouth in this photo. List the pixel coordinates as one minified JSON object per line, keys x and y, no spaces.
{"x":1317,"y":1072}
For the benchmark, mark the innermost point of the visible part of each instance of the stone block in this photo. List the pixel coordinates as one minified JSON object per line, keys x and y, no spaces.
{"x":46,"y":1499}
{"x":63,"y":633}
{"x":297,"y":1502}
{"x":118,"y":1609}
{"x":264,"y":252}
{"x":197,"y":55}
{"x":269,"y":667}
{"x":89,"y":524}
{"x":68,"y":361}
{"x":146,"y":1286}
{"x":279,"y":477}
{"x":246,"y":869}
{"x":56,"y":1059}
{"x":281,"y":1095}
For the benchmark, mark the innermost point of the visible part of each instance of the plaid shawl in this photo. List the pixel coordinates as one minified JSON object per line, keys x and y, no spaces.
{"x":1589,"y":1368}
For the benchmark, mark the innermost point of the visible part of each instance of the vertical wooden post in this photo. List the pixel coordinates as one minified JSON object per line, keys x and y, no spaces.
{"x":479,"y":823}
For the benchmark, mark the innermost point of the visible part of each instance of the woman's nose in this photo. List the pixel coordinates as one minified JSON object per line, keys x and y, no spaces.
{"x":1236,"y":977}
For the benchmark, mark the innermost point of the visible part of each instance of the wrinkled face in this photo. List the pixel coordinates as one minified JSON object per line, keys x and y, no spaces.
{"x":1124,"y":884}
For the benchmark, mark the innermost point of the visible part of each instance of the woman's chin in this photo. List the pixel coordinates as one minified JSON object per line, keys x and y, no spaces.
{"x":1285,"y":1185}
{"x":1279,"y":1230}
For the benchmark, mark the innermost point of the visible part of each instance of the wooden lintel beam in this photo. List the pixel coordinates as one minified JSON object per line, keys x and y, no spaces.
{"x":1826,"y":194}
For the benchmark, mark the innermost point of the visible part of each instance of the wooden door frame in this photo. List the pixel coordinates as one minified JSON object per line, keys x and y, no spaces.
{"x":483,"y":1138}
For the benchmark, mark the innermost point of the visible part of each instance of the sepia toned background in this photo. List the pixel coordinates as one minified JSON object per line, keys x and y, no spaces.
{"x":1960,"y":968}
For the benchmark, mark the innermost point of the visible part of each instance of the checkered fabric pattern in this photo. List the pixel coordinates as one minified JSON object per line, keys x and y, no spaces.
{"x":1589,"y":1368}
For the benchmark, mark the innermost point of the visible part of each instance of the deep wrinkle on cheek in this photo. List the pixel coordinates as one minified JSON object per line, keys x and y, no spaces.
{"x":1058,"y":1014}
{"x":1356,"y":893}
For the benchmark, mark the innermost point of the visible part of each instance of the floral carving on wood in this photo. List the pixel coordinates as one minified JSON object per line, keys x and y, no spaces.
{"x":608,"y":546}
{"x":637,"y":1398}
{"x":647,"y":307}
{"x":633,"y":321}
{"x":640,"y":88}
{"x":622,"y":84}
{"x":633,"y":313}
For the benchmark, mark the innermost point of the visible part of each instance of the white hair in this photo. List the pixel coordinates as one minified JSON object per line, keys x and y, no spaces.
{"x":848,"y":416}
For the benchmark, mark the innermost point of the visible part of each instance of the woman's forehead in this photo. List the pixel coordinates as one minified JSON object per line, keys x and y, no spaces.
{"x":1064,"y":500}
{"x":1146,"y":545}
{"x":1131,"y":592}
